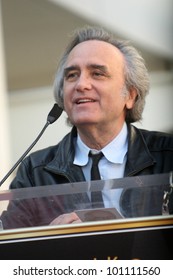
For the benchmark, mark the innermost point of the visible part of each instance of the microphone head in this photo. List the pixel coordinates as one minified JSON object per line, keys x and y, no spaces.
{"x":54,"y":114}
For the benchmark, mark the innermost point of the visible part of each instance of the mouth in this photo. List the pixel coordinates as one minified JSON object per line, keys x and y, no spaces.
{"x":84,"y":100}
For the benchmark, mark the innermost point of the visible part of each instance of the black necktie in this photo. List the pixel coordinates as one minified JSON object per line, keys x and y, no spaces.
{"x":96,"y":196}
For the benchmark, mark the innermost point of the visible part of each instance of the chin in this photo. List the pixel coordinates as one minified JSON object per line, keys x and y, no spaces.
{"x":84,"y":122}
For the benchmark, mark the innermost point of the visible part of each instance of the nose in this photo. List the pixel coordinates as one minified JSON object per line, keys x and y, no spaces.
{"x":83,"y":83}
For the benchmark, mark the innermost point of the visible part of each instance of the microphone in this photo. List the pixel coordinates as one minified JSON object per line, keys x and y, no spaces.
{"x":53,"y":115}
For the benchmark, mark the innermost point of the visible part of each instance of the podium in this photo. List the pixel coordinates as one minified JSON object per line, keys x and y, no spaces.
{"x":135,"y":223}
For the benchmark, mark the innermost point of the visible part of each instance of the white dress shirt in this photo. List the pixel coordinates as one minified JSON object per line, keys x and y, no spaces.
{"x":111,"y":165}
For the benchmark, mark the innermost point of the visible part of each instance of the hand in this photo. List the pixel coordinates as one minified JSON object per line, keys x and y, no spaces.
{"x":70,"y":218}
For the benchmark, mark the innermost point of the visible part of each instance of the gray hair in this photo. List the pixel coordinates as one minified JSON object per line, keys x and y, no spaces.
{"x":135,"y":72}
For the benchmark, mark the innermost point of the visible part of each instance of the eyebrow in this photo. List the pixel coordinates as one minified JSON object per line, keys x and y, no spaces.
{"x":100,"y":67}
{"x":70,"y":68}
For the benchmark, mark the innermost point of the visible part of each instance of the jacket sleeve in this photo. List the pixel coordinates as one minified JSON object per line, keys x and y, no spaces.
{"x":33,"y":211}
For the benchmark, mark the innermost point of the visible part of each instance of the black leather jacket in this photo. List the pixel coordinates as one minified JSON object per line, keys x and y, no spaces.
{"x":148,"y":153}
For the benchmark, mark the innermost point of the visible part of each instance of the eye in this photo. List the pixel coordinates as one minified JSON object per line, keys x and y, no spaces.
{"x":70,"y":76}
{"x":98,"y":74}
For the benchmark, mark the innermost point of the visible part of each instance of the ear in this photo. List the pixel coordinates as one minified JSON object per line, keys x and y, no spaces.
{"x":131,"y":98}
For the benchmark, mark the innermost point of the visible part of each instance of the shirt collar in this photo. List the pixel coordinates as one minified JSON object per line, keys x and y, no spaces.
{"x":116,"y":150}
{"x":81,"y":152}
{"x":119,"y":145}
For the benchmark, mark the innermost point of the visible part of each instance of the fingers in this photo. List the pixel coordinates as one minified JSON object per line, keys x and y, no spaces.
{"x":70,"y":218}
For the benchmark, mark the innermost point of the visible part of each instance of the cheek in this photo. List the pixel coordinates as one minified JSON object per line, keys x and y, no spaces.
{"x":66,"y":92}
{"x":66,"y":102}
{"x":115,"y":103}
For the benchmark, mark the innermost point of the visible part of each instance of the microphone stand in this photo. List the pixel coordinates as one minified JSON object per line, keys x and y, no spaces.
{"x":52,"y":117}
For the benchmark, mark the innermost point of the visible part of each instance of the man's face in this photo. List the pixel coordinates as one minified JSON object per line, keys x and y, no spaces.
{"x":93,"y":85}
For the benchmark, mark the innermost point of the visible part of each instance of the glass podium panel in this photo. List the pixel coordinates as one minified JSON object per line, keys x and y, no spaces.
{"x":130,"y":197}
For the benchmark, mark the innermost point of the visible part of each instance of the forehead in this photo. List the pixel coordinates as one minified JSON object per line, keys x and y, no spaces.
{"x":97,"y":51}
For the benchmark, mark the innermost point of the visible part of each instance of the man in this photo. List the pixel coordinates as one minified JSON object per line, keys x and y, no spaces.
{"x":101,"y":83}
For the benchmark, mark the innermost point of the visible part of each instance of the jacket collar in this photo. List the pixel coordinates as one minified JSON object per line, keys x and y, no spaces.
{"x":138,"y":156}
{"x":62,"y":163}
